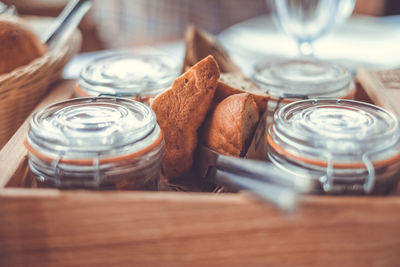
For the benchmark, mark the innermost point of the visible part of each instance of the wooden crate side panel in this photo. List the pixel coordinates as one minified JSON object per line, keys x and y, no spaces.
{"x":44,"y":227}
{"x":383,"y":87}
{"x":13,"y":167}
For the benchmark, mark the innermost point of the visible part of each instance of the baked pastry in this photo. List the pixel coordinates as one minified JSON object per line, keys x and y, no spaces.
{"x":200,"y":44}
{"x":180,"y":111}
{"x":229,"y":128}
{"x":230,"y":84}
{"x":19,"y":46}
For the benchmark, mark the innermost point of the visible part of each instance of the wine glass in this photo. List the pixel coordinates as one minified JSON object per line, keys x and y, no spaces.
{"x":308,"y":20}
{"x":287,"y":80}
{"x":7,"y":10}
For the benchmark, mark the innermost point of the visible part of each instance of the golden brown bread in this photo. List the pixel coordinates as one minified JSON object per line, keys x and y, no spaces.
{"x":230,"y":84}
{"x":229,"y":128}
{"x":180,"y":111}
{"x":19,"y":46}
{"x":200,"y":44}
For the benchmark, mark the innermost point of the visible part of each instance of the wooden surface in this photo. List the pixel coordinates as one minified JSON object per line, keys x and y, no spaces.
{"x":383,"y":87}
{"x":50,"y":227}
{"x":45,"y":227}
{"x":13,"y":154}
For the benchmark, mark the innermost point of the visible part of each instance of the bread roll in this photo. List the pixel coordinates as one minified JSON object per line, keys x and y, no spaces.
{"x":180,"y":111}
{"x":229,"y":128}
{"x":230,"y":84}
{"x":200,"y":44}
{"x":19,"y":46}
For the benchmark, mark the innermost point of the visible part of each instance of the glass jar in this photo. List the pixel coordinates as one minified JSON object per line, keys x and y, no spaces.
{"x":341,"y":145}
{"x":96,"y":143}
{"x":136,"y":76}
{"x":293,"y":80}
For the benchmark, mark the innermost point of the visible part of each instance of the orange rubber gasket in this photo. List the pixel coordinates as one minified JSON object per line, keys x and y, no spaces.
{"x":91,"y":161}
{"x":339,"y":165}
{"x":79,"y":92}
{"x":350,"y":96}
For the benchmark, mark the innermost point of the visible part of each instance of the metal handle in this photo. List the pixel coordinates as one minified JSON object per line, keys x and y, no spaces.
{"x":283,"y":197}
{"x":67,"y":21}
{"x":260,"y":178}
{"x":262,"y":171}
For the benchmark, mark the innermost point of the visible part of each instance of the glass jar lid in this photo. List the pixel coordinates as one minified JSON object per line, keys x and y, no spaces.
{"x":102,"y":128}
{"x":128,"y":75}
{"x":303,"y":79}
{"x":340,"y":133}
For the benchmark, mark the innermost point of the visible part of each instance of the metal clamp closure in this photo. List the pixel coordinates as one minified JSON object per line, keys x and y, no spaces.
{"x":328,"y":180}
{"x":60,"y":178}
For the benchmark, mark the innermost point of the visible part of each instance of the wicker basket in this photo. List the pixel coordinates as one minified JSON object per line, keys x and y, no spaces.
{"x":23,"y":88}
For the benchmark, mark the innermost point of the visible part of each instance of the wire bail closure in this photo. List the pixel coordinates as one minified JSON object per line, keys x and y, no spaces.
{"x":370,"y":181}
{"x":343,"y":145}
{"x":60,"y":175}
{"x":328,"y":179}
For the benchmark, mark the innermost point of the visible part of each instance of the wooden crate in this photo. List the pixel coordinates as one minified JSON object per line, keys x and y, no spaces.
{"x":41,"y":227}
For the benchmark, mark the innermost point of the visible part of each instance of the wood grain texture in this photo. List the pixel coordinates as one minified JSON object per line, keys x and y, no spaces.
{"x":382,"y":87}
{"x":13,"y":154}
{"x":46,"y":227}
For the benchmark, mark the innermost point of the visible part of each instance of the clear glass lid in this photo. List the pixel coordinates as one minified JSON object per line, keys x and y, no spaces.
{"x":128,"y":74}
{"x":102,"y":127}
{"x":342,"y":132}
{"x":302,"y":79}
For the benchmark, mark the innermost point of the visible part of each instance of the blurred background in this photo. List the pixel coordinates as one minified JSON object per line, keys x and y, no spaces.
{"x":127,"y":23}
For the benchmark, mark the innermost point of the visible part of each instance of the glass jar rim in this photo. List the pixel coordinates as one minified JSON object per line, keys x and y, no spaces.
{"x":304,"y":79}
{"x":290,"y":137}
{"x":128,"y":74}
{"x":325,"y":164}
{"x":82,"y":128}
{"x":350,"y":94}
{"x":92,"y":161}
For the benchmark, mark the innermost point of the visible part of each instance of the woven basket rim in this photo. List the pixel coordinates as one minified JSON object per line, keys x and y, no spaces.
{"x":38,"y":62}
{"x":22,"y":89}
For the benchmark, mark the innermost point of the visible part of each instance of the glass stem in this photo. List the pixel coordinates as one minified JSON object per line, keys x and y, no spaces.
{"x":306,"y":49}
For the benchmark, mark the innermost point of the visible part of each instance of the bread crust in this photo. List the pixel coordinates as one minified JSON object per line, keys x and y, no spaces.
{"x":225,"y":89}
{"x":19,"y":46}
{"x":229,"y":128}
{"x":181,"y":110}
{"x":200,"y":44}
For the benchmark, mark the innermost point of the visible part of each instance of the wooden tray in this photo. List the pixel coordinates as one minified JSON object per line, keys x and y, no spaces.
{"x":40,"y":227}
